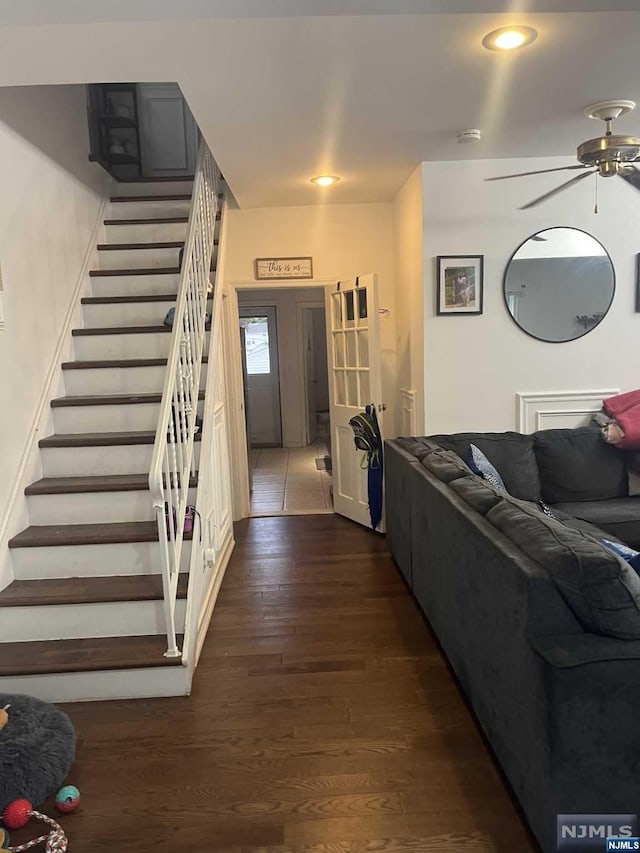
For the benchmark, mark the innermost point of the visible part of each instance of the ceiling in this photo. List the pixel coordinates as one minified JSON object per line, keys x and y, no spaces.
{"x":365,"y":89}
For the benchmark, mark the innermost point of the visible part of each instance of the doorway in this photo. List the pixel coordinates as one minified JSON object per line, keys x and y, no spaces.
{"x":284,"y":361}
{"x":259,"y":335}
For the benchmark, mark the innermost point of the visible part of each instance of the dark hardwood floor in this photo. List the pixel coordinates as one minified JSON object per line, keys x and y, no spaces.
{"x":323,"y":720}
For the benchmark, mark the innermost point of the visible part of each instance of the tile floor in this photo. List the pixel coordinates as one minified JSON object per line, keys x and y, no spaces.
{"x":286,"y":481}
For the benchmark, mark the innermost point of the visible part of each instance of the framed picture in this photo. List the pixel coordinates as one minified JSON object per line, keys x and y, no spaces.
{"x":283,"y":268}
{"x":460,"y":283}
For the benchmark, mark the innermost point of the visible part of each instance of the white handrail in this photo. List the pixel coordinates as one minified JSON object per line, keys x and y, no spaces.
{"x":173,"y":451}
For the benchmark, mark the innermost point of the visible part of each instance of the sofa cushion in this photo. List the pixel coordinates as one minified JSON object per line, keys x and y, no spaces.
{"x":418,"y":447}
{"x":577,"y":465}
{"x":602,"y":589}
{"x":510,"y":452}
{"x":480,"y":495}
{"x":445,"y":465}
{"x":618,"y":516}
{"x":580,"y":524}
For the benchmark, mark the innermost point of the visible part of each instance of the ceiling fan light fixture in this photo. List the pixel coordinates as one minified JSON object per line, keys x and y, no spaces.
{"x":509,"y":38}
{"x":325,"y":180}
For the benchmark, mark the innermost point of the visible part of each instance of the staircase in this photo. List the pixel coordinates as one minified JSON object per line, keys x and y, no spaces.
{"x":84,"y":617}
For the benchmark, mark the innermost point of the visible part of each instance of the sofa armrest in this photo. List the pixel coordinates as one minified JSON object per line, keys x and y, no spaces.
{"x":572,"y":650}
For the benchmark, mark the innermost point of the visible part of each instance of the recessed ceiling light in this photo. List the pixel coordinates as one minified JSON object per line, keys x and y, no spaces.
{"x":325,"y":180}
{"x":509,"y":38}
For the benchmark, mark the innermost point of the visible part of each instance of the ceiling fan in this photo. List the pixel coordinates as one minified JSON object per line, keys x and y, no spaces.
{"x":606,"y":156}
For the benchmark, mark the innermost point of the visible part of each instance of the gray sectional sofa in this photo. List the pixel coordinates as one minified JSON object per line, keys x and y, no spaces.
{"x":539,"y":620}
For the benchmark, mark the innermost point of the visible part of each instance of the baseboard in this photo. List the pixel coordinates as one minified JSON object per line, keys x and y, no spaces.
{"x":212,"y":595}
{"x":15,"y":517}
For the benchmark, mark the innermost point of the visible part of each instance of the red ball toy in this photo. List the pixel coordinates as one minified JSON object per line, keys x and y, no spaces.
{"x":17,"y":814}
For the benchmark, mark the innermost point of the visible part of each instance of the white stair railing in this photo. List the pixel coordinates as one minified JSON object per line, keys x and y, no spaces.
{"x":172,"y":464}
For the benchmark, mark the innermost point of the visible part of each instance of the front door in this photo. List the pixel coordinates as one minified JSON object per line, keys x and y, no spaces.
{"x":353,"y":339}
{"x":262,"y":375}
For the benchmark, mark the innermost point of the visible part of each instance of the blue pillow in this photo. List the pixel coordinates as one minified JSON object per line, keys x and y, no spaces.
{"x":632,"y":557}
{"x":480,"y":465}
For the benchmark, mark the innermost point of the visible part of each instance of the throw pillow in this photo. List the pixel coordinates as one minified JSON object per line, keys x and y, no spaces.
{"x":480,"y":465}
{"x":632,"y":557}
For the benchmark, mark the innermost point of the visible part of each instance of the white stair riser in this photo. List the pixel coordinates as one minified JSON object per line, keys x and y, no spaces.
{"x":75,"y":621}
{"x":94,"y":686}
{"x":93,"y":507}
{"x":118,"y":380}
{"x":144,"y":232}
{"x":151,"y":188}
{"x":124,"y":345}
{"x":128,"y":313}
{"x":100,"y":347}
{"x":124,"y":418}
{"x":119,"y":259}
{"x":134,"y":285}
{"x":121,"y":558}
{"x":147,"y":209}
{"x":96,"y":461}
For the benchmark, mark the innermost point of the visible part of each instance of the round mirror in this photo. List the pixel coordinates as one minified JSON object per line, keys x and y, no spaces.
{"x":559,"y":284}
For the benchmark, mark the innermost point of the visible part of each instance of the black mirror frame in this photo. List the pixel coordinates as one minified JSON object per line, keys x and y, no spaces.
{"x":586,"y":331}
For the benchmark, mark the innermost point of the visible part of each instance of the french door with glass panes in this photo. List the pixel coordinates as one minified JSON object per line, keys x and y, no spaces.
{"x":353,"y":339}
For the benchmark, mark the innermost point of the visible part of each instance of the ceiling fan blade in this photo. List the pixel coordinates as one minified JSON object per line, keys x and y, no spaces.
{"x":558,"y":189}
{"x":539,"y":172}
{"x":631,"y":175}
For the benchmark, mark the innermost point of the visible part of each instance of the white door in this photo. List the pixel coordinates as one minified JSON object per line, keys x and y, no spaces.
{"x":310,"y":375}
{"x":168,"y":131}
{"x":353,"y":339}
{"x":262,"y":375}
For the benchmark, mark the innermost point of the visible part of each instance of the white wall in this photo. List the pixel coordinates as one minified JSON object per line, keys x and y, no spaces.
{"x":287,"y":302}
{"x":50,"y":197}
{"x":475,"y":364}
{"x":344,"y":241}
{"x":409,"y":258}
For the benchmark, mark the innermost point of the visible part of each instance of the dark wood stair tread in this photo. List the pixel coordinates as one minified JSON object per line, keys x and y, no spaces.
{"x":156,"y":179}
{"x":98,"y":654}
{"x":120,"y":247}
{"x":136,"y":199}
{"x":111,"y":533}
{"x":121,"y":330}
{"x":123,"y":300}
{"x":119,"y":362}
{"x":135,"y":271}
{"x":88,"y":590}
{"x":100,"y":439}
{"x":150,"y":220}
{"x":109,"y":400}
{"x":96,"y":483}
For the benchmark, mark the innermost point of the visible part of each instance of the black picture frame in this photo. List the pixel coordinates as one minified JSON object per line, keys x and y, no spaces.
{"x":460,"y":288}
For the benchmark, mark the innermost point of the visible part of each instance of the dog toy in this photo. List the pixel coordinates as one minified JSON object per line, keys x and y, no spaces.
{"x":67,"y":799}
{"x":18,"y":813}
{"x":4,"y":717}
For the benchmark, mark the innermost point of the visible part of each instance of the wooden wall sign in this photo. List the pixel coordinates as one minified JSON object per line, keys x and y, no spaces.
{"x":281,"y":268}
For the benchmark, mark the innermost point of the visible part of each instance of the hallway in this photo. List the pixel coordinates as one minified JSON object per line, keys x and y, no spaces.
{"x":323,"y":719}
{"x":288,"y":481}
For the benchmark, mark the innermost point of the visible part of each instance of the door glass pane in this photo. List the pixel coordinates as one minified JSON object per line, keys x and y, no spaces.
{"x":365,"y":388}
{"x":336,"y":302}
{"x":349,"y":308}
{"x":341,"y":394}
{"x":363,"y":349}
{"x":351,"y":349}
{"x":256,"y":330}
{"x":362,"y":304}
{"x":338,"y":343}
{"x":352,"y":387}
